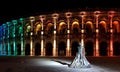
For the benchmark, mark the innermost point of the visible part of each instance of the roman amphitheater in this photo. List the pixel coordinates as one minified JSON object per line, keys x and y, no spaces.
{"x":58,"y":34}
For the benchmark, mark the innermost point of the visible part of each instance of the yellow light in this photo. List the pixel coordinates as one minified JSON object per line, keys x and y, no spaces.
{"x":42,"y":48}
{"x":68,"y":48}
{"x":97,"y":31}
{"x":31,"y":33}
{"x":68,"y":31}
{"x":54,"y":32}
{"x":68,"y":43}
{"x":82,"y":31}
{"x":54,"y":43}
{"x":54,"y":47}
{"x":31,"y":45}
{"x":42,"y":32}
{"x":82,"y":42}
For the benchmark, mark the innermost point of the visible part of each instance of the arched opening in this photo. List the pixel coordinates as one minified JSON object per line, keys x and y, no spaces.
{"x":37,"y":49}
{"x":102,"y":27}
{"x":12,"y":49}
{"x":27,"y":49}
{"x":75,"y":27}
{"x":89,"y":27}
{"x":74,"y":49}
{"x":38,"y":27}
{"x":116,"y":48}
{"x":89,"y":48}
{"x":18,"y":49}
{"x":50,"y":28}
{"x":62,"y":28}
{"x":115,"y":26}
{"x":49,"y":48}
{"x":103,"y":49}
{"x":61,"y":49}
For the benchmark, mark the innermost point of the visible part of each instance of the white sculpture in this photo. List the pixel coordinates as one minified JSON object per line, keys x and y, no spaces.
{"x":80,"y":60}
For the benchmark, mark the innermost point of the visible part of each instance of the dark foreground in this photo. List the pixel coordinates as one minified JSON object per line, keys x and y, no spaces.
{"x":56,"y":64}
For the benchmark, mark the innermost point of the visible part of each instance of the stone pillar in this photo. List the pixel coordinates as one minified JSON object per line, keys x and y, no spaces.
{"x":8,"y":29}
{"x":42,"y":18}
{"x":22,"y":36}
{"x":82,"y":15}
{"x":3,"y":45}
{"x":110,"y":50}
{"x":96,"y":48}
{"x":0,"y":40}
{"x":14,"y":36}
{"x":68,"y":49}
{"x":55,"y":17}
{"x":32,"y":19}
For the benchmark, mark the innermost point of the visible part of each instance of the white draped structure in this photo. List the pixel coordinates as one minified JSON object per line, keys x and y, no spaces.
{"x":80,"y":60}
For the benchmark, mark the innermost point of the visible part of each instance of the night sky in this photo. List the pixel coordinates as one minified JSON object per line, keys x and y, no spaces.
{"x":10,"y":10}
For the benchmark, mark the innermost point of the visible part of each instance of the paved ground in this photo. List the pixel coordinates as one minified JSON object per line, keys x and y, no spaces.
{"x":57,"y":64}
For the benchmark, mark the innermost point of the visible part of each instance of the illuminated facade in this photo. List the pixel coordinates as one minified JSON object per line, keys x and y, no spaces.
{"x":58,"y":34}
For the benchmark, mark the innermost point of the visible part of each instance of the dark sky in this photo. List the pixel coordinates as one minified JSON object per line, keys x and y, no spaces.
{"x":16,"y":9}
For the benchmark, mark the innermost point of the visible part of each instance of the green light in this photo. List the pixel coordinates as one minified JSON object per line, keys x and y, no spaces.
{"x":9,"y":49}
{"x":14,"y":22}
{"x":21,"y":19}
{"x":14,"y":36}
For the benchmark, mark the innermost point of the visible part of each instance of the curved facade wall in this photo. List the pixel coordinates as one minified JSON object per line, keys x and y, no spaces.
{"x":58,"y":34}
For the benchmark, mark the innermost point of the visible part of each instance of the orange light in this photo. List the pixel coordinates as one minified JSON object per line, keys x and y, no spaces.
{"x":54,"y":47}
{"x":111,"y":47}
{"x":97,"y":48}
{"x":111,"y":30}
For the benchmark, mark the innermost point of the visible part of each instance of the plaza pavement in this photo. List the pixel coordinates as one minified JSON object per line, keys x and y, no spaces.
{"x":56,"y":64}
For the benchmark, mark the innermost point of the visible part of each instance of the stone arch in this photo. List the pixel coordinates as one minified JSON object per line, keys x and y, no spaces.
{"x":61,"y":49}
{"x":116,"y":48}
{"x":103,"y":48}
{"x":115,"y":26}
{"x":27,"y":49}
{"x":89,"y":26}
{"x":50,"y":28}
{"x":28,"y":28}
{"x":75,"y":27}
{"x":89,"y":48}
{"x":49,"y":49}
{"x":37,"y":49}
{"x":38,"y":28}
{"x":102,"y":26}
{"x":74,"y":49}
{"x":62,"y":27}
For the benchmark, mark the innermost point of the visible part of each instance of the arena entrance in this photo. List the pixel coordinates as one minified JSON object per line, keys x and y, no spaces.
{"x":74,"y":49}
{"x":116,"y":48}
{"x":27,"y":49}
{"x":103,"y":49}
{"x":18,"y":49}
{"x":49,"y":49}
{"x":37,"y":49}
{"x":62,"y":49}
{"x":89,"y":48}
{"x":12,"y":49}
